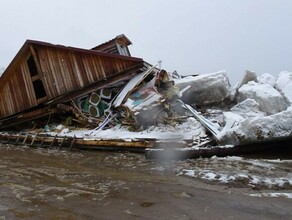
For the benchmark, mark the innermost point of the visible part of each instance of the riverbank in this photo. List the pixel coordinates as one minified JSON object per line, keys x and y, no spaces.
{"x":60,"y":184}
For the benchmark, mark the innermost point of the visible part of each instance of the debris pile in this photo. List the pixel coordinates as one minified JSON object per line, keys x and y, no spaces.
{"x":140,"y":102}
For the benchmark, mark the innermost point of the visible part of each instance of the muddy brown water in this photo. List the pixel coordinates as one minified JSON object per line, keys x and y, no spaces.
{"x":61,"y":184}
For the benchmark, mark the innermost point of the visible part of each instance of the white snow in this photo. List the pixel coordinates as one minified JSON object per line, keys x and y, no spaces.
{"x":187,"y":130}
{"x":232,"y":118}
{"x":284,"y":84}
{"x":262,"y":128}
{"x":267,"y":78}
{"x":225,"y":177}
{"x":209,"y":175}
{"x":268,"y":98}
{"x":205,"y":88}
{"x":238,"y":170}
{"x":274,"y":195}
{"x":265,"y":109}
{"x":248,"y":77}
{"x":248,"y":108}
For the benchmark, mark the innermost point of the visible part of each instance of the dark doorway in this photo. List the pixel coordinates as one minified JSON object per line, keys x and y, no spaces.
{"x":39,"y":89}
{"x":32,"y":66}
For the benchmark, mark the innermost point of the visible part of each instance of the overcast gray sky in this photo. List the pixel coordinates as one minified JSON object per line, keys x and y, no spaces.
{"x":189,"y":36}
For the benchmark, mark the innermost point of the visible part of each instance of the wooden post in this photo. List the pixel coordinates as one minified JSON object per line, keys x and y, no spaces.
{"x":17,"y":139}
{"x":63,"y":140}
{"x":55,"y":137}
{"x":72,"y":142}
{"x":33,"y":139}
{"x":26,"y":136}
{"x":43,"y":140}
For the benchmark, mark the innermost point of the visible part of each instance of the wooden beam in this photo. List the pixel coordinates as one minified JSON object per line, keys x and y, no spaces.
{"x":124,"y":75}
{"x":80,"y":143}
{"x":27,"y":116}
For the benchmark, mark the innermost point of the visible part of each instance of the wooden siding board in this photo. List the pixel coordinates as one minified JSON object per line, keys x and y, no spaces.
{"x":86,"y":76}
{"x":96,"y":68}
{"x":102,"y":74}
{"x":7,"y":92}
{"x":61,"y":83}
{"x":13,"y":95}
{"x":56,"y":80}
{"x":28,"y":84}
{"x":48,"y":79}
{"x":86,"y":63}
{"x":63,"y":71}
{"x":107,"y":68}
{"x":92,"y":69}
{"x":72,"y":72}
{"x":23,"y":95}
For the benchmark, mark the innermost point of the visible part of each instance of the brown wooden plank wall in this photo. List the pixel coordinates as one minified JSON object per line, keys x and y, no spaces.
{"x":64,"y":70}
{"x":60,"y":69}
{"x":16,"y":92}
{"x":109,"y":49}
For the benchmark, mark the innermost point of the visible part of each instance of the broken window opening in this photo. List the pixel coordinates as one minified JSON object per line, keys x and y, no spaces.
{"x":39,"y":89}
{"x":32,"y":66}
{"x":122,"y":50}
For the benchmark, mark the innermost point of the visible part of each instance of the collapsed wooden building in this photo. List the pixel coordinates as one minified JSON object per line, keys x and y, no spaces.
{"x":46,"y":86}
{"x":43,"y":75}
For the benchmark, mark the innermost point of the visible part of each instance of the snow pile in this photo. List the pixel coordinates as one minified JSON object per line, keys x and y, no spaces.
{"x":248,"y":77}
{"x":284,"y":84}
{"x":206,"y":88}
{"x":269,"y":99}
{"x":260,"y":128}
{"x":273,"y":195}
{"x":225,"y":178}
{"x":240,"y":172}
{"x":187,"y":130}
{"x":262,"y":112}
{"x":267,"y":78}
{"x":248,"y":108}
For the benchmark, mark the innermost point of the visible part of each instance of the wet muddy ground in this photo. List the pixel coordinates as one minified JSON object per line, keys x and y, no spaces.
{"x":61,"y":184}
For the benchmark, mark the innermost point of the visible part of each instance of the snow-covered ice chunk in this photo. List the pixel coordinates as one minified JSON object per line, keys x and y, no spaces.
{"x":248,"y":76}
{"x":231,"y":119}
{"x":248,"y":108}
{"x":265,"y":128}
{"x":269,"y":99}
{"x":284,"y":84}
{"x":267,"y":78}
{"x":206,"y":88}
